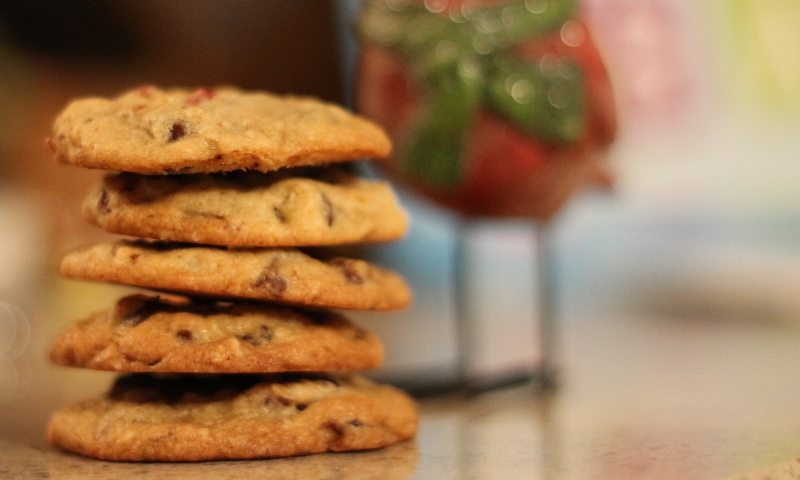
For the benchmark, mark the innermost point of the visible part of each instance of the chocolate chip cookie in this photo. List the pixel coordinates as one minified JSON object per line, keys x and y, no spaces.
{"x":285,"y":275}
{"x":190,"y":418}
{"x":155,"y":131}
{"x":145,"y":333}
{"x":294,"y":207}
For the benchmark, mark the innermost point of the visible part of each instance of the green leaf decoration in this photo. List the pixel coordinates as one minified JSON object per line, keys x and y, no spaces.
{"x":461,"y":61}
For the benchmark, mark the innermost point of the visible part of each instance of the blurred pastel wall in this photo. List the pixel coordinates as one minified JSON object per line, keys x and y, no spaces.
{"x":705,"y":216}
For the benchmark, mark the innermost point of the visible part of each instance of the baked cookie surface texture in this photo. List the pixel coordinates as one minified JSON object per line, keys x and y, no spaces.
{"x":155,"y":131}
{"x":191,"y":418}
{"x":284,"y":275}
{"x":291,"y":207}
{"x":149,"y":334}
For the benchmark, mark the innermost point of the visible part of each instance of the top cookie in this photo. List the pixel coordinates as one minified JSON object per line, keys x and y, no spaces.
{"x":154,"y":131}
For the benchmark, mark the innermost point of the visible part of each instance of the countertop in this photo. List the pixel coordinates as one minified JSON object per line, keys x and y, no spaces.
{"x":658,"y":397}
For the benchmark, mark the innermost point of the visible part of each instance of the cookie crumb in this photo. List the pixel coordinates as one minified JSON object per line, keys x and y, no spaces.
{"x":327,"y":210}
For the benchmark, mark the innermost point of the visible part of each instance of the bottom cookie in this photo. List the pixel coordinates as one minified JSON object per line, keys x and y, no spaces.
{"x":177,"y":418}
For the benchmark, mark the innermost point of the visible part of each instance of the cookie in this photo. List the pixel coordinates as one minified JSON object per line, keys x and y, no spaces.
{"x":154,"y":131}
{"x":285,"y":275}
{"x":294,"y":207}
{"x":151,"y":334}
{"x":192,"y":418}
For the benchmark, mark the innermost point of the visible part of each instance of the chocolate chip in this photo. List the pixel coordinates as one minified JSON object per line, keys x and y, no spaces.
{"x":184,"y":335}
{"x":102,"y":203}
{"x":265,"y":332}
{"x":356,"y":423}
{"x":301,"y":407}
{"x":279,"y":214}
{"x":177,"y":131}
{"x":263,"y":335}
{"x":274,"y":284}
{"x":144,"y":311}
{"x":349,"y":270}
{"x":327,"y":209}
{"x":353,"y":276}
{"x":335,"y":428}
{"x":71,"y":357}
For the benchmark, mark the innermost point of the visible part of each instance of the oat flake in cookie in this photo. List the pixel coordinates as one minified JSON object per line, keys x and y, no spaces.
{"x":192,"y":418}
{"x":144,"y":333}
{"x":154,"y":131}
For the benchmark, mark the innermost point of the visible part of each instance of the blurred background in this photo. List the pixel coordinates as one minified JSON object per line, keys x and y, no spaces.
{"x":703,"y":221}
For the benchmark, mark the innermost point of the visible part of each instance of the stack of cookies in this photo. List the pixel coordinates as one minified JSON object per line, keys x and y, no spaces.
{"x":232,"y":205}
